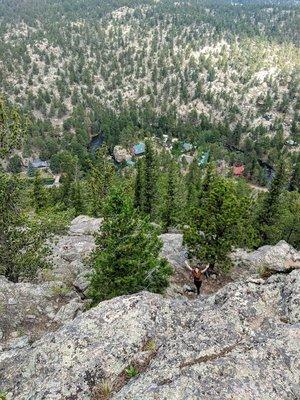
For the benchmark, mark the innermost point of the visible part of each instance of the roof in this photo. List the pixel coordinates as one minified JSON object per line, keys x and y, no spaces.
{"x":139,"y":148}
{"x":39,"y":163}
{"x":203,"y":158}
{"x":238,"y":170}
{"x":187,"y":146}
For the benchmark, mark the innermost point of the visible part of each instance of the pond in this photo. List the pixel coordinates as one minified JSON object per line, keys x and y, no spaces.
{"x":96,"y":142}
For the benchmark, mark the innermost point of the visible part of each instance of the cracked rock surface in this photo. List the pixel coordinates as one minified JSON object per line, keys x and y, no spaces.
{"x":272,"y":259}
{"x":241,"y":343}
{"x":29,"y":310}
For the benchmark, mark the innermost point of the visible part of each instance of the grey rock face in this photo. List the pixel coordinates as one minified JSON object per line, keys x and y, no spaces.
{"x":121,"y":154}
{"x":279,"y":258}
{"x":84,"y":225}
{"x":241,"y":343}
{"x":173,"y":249}
{"x":70,"y":251}
{"x":31,"y":309}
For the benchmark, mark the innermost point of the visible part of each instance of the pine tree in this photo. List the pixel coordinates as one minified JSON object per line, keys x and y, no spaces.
{"x":270,"y":209}
{"x":139,"y":185}
{"x":171,"y":211}
{"x":209,"y":177}
{"x":22,"y":246}
{"x":39,"y":193}
{"x":193,"y":185}
{"x":126,"y":259}
{"x":290,"y":216}
{"x":217,"y":224}
{"x":13,"y":128}
{"x":295,"y":178}
{"x":150,"y":181}
{"x":100,"y":180}
{"x":77,"y":200}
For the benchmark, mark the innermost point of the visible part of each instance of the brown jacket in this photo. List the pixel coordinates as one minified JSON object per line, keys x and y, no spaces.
{"x":198,"y":276}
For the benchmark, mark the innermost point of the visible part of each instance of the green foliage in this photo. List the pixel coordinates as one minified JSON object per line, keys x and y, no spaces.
{"x":126,"y":259}
{"x":100,"y":179}
{"x":77,"y":199}
{"x":289,"y":220}
{"x":14,"y":164}
{"x":295,"y":178}
{"x":193,"y":183}
{"x":131,"y":371}
{"x":269,"y":211}
{"x":172,"y":207}
{"x":22,"y":249}
{"x":2,"y":395}
{"x":150,"y":345}
{"x":12,"y":128}
{"x":149,"y":191}
{"x":31,"y":171}
{"x":139,"y":185}
{"x":219,"y":222}
{"x":39,"y":193}
{"x":55,"y":221}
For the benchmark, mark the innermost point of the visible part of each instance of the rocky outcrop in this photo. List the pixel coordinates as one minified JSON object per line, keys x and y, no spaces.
{"x":266,"y":260}
{"x":84,"y":225}
{"x":173,"y":249}
{"x":29,"y":310}
{"x":240,"y":343}
{"x":70,"y":251}
{"x":121,"y":154}
{"x":176,"y":254}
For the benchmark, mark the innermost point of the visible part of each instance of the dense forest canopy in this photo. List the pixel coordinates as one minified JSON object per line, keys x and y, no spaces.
{"x":209,"y":90}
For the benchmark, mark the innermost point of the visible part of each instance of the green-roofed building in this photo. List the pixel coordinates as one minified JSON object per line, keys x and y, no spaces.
{"x":203,"y":159}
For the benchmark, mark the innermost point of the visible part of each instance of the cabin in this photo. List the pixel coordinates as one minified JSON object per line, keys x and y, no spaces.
{"x":238,"y":170}
{"x":139,"y":149}
{"x":39,"y":164}
{"x":291,"y":142}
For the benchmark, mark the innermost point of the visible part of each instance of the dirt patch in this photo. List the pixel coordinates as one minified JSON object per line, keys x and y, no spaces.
{"x":209,"y":286}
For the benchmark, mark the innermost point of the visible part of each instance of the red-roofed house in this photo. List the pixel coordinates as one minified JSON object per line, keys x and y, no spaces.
{"x":238,"y":170}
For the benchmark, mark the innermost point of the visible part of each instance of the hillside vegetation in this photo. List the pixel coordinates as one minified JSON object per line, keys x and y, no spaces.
{"x":233,"y":62}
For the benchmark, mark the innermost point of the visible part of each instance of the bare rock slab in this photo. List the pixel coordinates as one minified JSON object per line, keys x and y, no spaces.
{"x":271,"y":259}
{"x":241,"y":343}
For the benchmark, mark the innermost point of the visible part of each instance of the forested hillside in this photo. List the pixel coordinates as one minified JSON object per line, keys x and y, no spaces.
{"x":235,"y":63}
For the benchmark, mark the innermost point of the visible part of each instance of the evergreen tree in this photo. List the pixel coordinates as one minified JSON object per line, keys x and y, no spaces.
{"x":13,"y":128}
{"x":193,"y":185}
{"x":38,"y":193}
{"x":30,"y":170}
{"x":290,"y":216}
{"x":77,"y":200}
{"x":295,"y":178}
{"x":100,"y":180}
{"x":22,"y":247}
{"x":210,"y":175}
{"x":126,"y":259}
{"x":139,"y":185}
{"x":270,"y":208}
{"x":66,"y":189}
{"x":150,"y":181}
{"x":171,"y":211}
{"x":15,"y":164}
{"x":217,"y":224}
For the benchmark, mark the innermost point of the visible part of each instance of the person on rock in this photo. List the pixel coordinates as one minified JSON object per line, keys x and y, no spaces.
{"x":197,"y":275}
